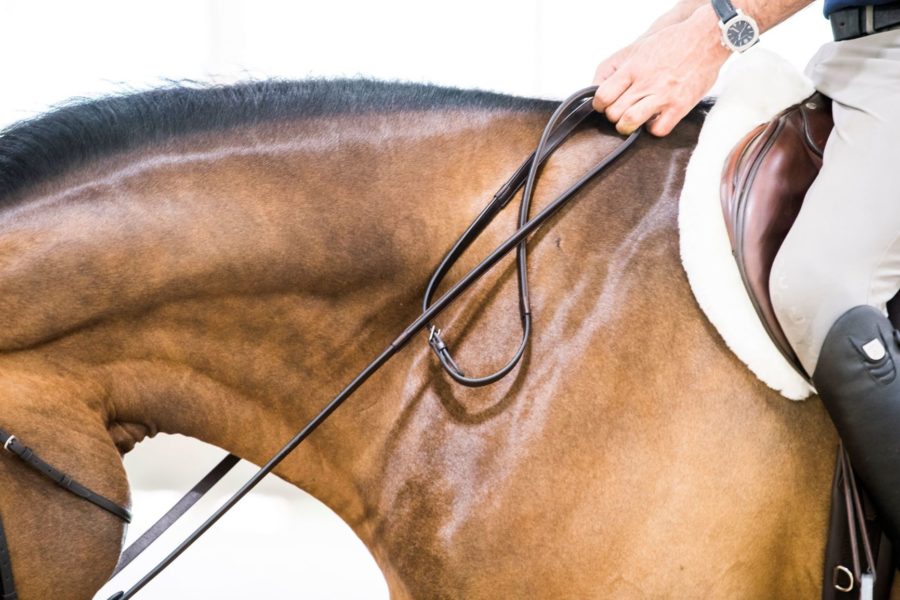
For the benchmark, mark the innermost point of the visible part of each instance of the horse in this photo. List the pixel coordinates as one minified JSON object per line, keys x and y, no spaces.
{"x":219,"y":261}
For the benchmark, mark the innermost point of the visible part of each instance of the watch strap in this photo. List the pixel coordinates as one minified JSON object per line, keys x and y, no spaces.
{"x":725,"y":10}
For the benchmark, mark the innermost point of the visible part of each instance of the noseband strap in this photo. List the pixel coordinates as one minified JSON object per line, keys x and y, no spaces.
{"x":28,"y":456}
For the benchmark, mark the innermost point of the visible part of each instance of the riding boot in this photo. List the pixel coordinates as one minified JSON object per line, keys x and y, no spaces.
{"x":856,"y":378}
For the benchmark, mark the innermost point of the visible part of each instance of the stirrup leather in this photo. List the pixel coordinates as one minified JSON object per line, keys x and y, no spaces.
{"x":856,"y":378}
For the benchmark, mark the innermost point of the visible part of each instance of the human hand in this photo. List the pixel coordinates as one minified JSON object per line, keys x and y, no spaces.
{"x":660,"y":77}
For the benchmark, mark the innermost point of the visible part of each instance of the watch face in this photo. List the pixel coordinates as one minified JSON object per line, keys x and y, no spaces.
{"x":741,"y":33}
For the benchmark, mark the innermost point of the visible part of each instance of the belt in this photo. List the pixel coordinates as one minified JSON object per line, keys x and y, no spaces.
{"x":857,"y":21}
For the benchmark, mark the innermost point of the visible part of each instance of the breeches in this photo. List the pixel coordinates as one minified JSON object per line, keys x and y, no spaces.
{"x":844,"y":248}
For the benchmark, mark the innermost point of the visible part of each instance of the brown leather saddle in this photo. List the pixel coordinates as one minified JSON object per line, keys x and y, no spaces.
{"x":764,"y":182}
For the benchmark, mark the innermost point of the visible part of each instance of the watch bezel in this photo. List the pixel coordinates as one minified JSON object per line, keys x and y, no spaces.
{"x":725,"y":26}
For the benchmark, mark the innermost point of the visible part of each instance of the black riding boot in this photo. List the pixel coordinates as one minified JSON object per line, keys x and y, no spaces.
{"x":856,"y":378}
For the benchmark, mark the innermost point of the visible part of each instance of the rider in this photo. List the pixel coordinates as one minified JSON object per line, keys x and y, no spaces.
{"x":840,"y":262}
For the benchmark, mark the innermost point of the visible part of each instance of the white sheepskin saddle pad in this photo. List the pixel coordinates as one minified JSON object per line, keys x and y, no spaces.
{"x":759,"y":85}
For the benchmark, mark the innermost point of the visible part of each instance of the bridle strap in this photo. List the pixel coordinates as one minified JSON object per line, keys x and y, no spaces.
{"x":11,"y":444}
{"x":578,"y":99}
{"x":7,"y":585}
{"x":524,"y":175}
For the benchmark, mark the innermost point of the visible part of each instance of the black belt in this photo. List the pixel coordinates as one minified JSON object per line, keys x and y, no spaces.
{"x":858,"y":21}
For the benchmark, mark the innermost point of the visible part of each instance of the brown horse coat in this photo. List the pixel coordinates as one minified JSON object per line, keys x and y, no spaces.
{"x":225,"y":283}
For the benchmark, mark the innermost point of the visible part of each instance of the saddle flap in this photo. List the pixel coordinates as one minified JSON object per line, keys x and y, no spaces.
{"x":764,"y":182}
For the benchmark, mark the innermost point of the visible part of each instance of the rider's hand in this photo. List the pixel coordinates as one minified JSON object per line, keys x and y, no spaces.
{"x":660,"y":77}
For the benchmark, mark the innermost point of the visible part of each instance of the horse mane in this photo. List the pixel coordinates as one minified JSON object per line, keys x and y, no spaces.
{"x":84,"y":130}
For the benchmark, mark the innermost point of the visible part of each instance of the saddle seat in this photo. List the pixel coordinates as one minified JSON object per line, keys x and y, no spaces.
{"x":764,"y":182}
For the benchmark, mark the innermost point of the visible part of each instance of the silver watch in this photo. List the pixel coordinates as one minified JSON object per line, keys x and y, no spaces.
{"x":739,"y":30}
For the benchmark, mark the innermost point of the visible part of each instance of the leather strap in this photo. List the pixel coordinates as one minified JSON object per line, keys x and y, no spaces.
{"x":857,"y":21}
{"x":11,"y":444}
{"x":724,"y":9}
{"x":855,"y":567}
{"x":7,"y":585}
{"x":176,"y":512}
{"x":856,"y":520}
{"x":503,"y":196}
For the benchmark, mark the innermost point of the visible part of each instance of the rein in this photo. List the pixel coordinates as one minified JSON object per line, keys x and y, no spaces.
{"x":573,"y":111}
{"x":525,"y":172}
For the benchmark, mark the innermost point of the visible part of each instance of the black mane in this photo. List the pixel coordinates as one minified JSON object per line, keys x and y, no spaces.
{"x":84,"y":130}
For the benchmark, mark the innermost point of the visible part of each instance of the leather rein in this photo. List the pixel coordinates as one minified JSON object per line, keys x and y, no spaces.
{"x":573,"y":111}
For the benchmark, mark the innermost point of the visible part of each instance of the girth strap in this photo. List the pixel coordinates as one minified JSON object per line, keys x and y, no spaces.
{"x":29,"y":457}
{"x":7,"y":586}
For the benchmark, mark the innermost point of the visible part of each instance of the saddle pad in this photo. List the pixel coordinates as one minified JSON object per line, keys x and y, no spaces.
{"x":758,"y":86}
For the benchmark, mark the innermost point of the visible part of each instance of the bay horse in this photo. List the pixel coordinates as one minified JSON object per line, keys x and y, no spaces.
{"x":220,"y":261}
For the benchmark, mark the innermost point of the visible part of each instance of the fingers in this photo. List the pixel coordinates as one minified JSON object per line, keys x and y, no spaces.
{"x":623,"y":103}
{"x":609,"y":90}
{"x":667,"y":120}
{"x":637,"y":114}
{"x":630,"y":113}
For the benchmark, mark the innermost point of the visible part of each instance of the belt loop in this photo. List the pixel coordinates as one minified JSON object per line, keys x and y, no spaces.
{"x":870,"y":19}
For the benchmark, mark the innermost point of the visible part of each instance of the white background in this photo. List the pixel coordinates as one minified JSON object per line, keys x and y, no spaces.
{"x":279,"y":543}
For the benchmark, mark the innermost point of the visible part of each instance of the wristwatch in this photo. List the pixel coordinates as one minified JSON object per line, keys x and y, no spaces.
{"x":739,"y":30}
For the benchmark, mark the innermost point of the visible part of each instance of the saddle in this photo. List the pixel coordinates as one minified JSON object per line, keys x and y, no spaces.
{"x":765,"y":179}
{"x":764,"y":182}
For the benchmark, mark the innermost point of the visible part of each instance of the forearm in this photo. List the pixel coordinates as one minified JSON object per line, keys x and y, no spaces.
{"x":767,"y":13}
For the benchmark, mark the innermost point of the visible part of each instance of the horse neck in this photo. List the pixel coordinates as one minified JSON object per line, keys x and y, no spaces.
{"x":224,"y":286}
{"x":227,"y":286}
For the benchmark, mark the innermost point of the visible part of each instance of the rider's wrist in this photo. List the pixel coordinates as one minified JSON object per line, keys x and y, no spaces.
{"x":705,"y":22}
{"x":739,"y":30}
